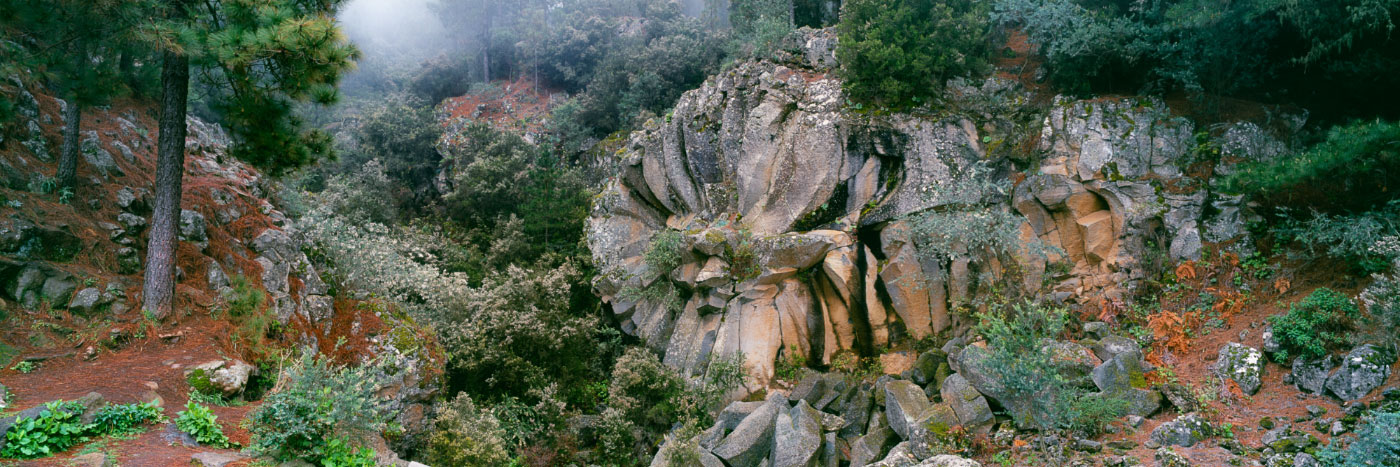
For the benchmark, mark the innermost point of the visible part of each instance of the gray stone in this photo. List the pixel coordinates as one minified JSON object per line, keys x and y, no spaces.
{"x":214,"y":459}
{"x":797,"y":437}
{"x":1304,"y":459}
{"x":905,"y":403}
{"x":1166,"y":457}
{"x":736,"y":412}
{"x":92,"y":459}
{"x":752,"y":439}
{"x":229,"y":377}
{"x":193,"y":228}
{"x":1310,"y":376}
{"x":949,"y":460}
{"x":1113,"y":346}
{"x":85,"y":301}
{"x":1271,"y":344}
{"x":1184,"y":431}
{"x":927,"y":436}
{"x":1363,"y":370}
{"x":970,"y":406}
{"x":899,"y":456}
{"x":59,"y":289}
{"x":1241,"y":364}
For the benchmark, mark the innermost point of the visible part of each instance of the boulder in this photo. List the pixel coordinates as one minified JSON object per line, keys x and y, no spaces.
{"x":1113,"y":346}
{"x":970,"y":406}
{"x":228,"y":377}
{"x":905,"y":403}
{"x":1184,"y":431}
{"x":752,"y":439}
{"x":92,"y":459}
{"x":871,"y":446}
{"x":929,"y":435}
{"x":797,"y":437}
{"x":85,"y":301}
{"x":1363,"y":370}
{"x":58,"y":289}
{"x":1241,"y":364}
{"x":1310,"y":376}
{"x":1124,"y":376}
{"x":214,"y":459}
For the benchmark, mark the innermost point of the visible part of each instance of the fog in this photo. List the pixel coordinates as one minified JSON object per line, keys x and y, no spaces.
{"x":405,"y":29}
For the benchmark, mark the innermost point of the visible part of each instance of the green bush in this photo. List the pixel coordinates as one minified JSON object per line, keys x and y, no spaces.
{"x":898,"y":53}
{"x":1377,"y":443}
{"x":1352,"y":170}
{"x":664,"y":252}
{"x":57,"y":428}
{"x":127,"y":418}
{"x":201,"y":424}
{"x":463,"y":434}
{"x":318,"y":401}
{"x":1314,"y":326}
{"x":338,"y":453}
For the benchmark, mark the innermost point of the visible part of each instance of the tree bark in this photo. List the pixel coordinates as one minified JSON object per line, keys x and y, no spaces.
{"x":68,"y":155}
{"x":158,"y":292}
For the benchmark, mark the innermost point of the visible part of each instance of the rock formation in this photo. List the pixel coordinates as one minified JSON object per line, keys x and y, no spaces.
{"x":793,"y":206}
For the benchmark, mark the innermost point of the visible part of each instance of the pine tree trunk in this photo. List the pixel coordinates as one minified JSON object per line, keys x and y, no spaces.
{"x":159,"y":290}
{"x":68,"y":156}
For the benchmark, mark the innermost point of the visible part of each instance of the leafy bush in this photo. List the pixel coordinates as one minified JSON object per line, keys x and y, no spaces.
{"x":318,"y":401}
{"x":1087,"y":414}
{"x":521,"y":332}
{"x":617,"y":440}
{"x":1314,"y":326}
{"x":466,"y":435}
{"x":1377,"y":443}
{"x":663,"y":254}
{"x":898,"y":53}
{"x":201,"y":424}
{"x":1353,"y":238}
{"x":646,"y":391}
{"x":57,"y":428}
{"x":338,"y":453}
{"x":127,"y":418}
{"x":1352,"y":170}
{"x":791,"y":364}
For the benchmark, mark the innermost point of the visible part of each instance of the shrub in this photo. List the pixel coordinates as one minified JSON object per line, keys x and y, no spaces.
{"x":126,"y":418}
{"x":254,"y":325}
{"x":56,"y":428}
{"x":338,"y":453}
{"x":791,"y":364}
{"x":318,"y":401}
{"x":1314,"y":326}
{"x":646,"y":391}
{"x":466,"y":435}
{"x":617,"y":442}
{"x":1353,"y":169}
{"x":898,"y":53}
{"x":1377,"y":443}
{"x":1352,"y":238}
{"x":1382,"y":299}
{"x":664,"y":252}
{"x":201,"y":424}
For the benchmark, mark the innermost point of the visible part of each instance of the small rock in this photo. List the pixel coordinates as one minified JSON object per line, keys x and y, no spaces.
{"x":85,"y":301}
{"x":1166,"y":457}
{"x":1087,"y":445}
{"x":1184,"y":431}
{"x":1316,"y":411}
{"x":1304,"y":459}
{"x":214,"y":459}
{"x":1134,"y":421}
{"x":93,"y":459}
{"x":948,"y":460}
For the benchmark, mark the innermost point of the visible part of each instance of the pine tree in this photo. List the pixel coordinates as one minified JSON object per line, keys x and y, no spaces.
{"x":256,"y":61}
{"x":74,"y":45}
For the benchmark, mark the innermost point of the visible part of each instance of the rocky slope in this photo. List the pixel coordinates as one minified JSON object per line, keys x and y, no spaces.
{"x":793,"y":208}
{"x":71,"y":263}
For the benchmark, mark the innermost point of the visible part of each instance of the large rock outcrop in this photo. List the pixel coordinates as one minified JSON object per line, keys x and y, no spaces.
{"x":794,"y":209}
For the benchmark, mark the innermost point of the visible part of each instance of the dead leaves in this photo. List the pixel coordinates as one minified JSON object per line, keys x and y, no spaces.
{"x":1186,"y":270}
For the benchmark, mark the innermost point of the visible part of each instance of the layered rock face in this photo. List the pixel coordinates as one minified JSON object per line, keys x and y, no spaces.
{"x":792,"y":207}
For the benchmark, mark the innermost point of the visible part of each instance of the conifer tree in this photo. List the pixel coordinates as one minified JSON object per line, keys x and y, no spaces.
{"x":256,"y":60}
{"x":74,"y":45}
